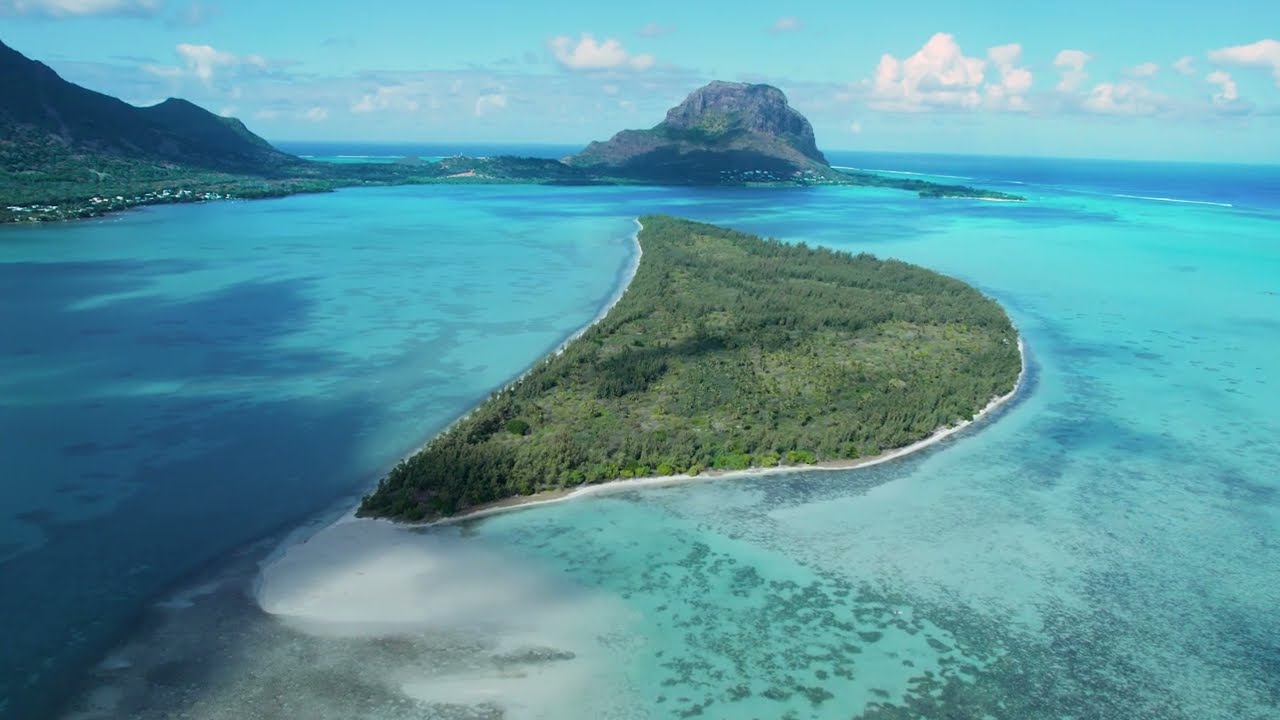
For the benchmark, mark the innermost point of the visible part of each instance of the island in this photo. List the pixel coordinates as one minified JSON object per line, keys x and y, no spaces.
{"x":68,"y":152}
{"x":726,"y":351}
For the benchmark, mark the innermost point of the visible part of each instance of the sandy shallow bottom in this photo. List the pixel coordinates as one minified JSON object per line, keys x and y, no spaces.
{"x":359,"y":618}
{"x":365,"y":619}
{"x":1101,"y":551}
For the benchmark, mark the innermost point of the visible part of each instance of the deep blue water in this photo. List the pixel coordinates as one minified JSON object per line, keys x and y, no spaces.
{"x":1250,"y":186}
{"x":179,"y":381}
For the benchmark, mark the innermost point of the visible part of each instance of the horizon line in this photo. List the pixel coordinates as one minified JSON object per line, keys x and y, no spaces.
{"x":543,"y":143}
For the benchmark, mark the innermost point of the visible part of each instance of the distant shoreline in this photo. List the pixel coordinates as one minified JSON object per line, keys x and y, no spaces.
{"x":547,"y":497}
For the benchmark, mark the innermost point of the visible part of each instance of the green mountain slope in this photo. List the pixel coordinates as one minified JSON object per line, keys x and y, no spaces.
{"x":62,"y":117}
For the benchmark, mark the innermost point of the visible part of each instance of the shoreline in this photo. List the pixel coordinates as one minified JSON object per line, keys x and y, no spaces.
{"x":548,"y":497}
{"x":629,"y":272}
{"x":342,"y":511}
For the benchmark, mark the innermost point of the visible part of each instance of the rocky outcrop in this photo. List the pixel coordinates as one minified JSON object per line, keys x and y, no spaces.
{"x":722,"y":132}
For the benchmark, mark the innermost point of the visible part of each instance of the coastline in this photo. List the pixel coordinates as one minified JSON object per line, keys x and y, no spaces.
{"x":622,"y":485}
{"x":629,"y":272}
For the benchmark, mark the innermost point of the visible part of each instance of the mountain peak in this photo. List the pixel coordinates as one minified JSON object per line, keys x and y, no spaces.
{"x":721,"y":131}
{"x":729,"y":106}
{"x":49,"y":111}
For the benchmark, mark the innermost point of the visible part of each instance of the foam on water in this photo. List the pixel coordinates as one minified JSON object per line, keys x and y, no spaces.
{"x":1173,"y":200}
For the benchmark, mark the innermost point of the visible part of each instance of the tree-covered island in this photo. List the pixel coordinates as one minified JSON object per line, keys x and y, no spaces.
{"x":726,"y":351}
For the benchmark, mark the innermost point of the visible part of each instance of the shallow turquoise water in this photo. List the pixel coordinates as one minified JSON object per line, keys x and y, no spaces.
{"x":1105,"y":548}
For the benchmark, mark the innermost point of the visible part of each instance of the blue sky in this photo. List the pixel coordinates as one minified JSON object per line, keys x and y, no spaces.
{"x":1172,"y":79}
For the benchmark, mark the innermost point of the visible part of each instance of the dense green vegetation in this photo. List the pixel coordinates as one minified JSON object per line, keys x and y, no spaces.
{"x":726,"y":351}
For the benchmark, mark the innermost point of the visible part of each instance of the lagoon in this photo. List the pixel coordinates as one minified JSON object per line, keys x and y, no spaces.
{"x":180,"y":382}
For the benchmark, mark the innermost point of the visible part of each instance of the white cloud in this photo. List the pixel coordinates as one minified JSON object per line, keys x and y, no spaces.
{"x":228,"y":111}
{"x":1124,"y":98}
{"x":784,"y":24}
{"x":1071,"y":63}
{"x":1227,"y":99}
{"x":855,"y":127}
{"x":1264,"y":53}
{"x":936,"y":76}
{"x":1226,"y":86}
{"x":397,"y":98}
{"x":79,"y":8}
{"x":588,"y":54}
{"x":1143,"y":70}
{"x":203,"y":62}
{"x":486,"y":104}
{"x":316,"y":114}
{"x":1185,"y":65}
{"x":1015,"y":81}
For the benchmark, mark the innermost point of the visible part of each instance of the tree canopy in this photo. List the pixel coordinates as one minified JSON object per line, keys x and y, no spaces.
{"x":726,"y":351}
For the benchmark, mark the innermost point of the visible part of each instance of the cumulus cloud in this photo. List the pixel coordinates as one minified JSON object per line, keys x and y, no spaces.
{"x":487,"y":103}
{"x":1226,"y":86}
{"x":1143,"y":70}
{"x":79,"y":8}
{"x":1185,"y":65}
{"x":315,"y":114}
{"x":204,"y":62}
{"x":1071,"y":64}
{"x":784,"y":24}
{"x":1227,"y":99}
{"x":589,"y":54}
{"x":855,"y":127}
{"x":938,"y":75}
{"x":1264,"y":54}
{"x":1124,"y":98}
{"x":1010,"y":93}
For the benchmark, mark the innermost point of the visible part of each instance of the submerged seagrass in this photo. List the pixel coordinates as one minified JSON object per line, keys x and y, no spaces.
{"x":726,"y":351}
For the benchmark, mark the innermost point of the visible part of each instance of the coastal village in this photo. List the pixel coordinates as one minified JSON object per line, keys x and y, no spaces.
{"x":98,"y":205}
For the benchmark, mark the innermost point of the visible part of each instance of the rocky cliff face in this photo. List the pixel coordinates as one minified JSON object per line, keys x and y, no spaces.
{"x":722,"y":132}
{"x":750,"y":108}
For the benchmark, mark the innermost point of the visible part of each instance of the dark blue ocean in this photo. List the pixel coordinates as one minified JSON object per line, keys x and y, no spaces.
{"x":183,"y":386}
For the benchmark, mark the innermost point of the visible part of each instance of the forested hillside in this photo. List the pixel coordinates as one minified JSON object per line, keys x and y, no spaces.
{"x":726,"y":351}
